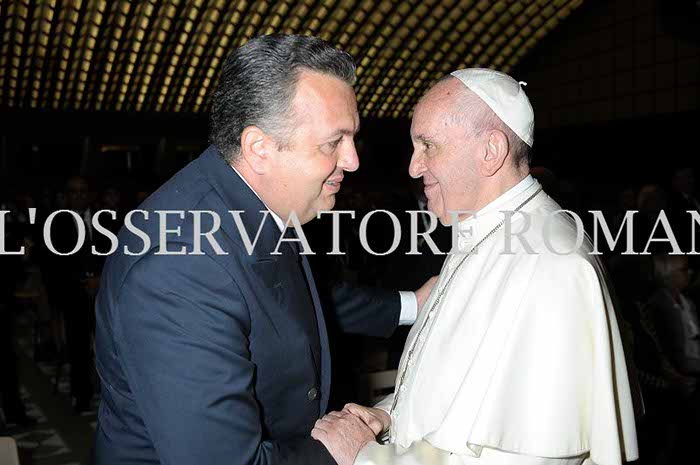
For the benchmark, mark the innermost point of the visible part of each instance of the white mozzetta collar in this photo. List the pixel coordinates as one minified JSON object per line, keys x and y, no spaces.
{"x":475,"y":227}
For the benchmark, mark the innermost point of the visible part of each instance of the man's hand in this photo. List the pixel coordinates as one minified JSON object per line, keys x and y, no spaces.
{"x":377,"y":419}
{"x":424,"y":291}
{"x":343,"y":434}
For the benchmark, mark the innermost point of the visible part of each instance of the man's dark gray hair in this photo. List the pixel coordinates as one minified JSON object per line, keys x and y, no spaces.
{"x":258,"y":84}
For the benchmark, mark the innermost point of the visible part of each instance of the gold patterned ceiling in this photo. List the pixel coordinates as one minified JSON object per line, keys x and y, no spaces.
{"x":165,"y":55}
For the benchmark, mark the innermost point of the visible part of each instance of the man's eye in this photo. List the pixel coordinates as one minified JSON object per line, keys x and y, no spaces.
{"x":334,"y":145}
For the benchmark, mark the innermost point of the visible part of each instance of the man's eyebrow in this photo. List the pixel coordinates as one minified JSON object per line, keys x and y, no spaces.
{"x":423,"y":138}
{"x":344,"y":132}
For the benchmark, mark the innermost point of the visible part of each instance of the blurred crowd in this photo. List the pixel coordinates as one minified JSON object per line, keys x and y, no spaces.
{"x":657,"y":301}
{"x":55,"y":291}
{"x":656,"y":292}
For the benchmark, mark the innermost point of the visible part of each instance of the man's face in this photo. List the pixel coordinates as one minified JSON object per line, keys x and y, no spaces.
{"x":444,"y":154}
{"x":321,"y":147}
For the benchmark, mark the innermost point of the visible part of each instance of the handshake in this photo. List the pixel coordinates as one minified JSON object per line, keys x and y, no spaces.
{"x":344,"y":433}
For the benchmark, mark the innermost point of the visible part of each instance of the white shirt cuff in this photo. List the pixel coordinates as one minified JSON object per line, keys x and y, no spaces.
{"x":409,"y":308}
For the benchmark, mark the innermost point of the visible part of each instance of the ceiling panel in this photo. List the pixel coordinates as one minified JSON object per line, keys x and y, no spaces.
{"x":166,"y":55}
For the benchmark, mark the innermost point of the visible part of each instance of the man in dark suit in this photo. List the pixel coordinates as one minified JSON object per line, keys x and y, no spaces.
{"x":69,"y":272}
{"x":11,"y":272}
{"x":674,"y":316}
{"x":671,"y":327}
{"x":220,"y":355}
{"x":682,"y":200}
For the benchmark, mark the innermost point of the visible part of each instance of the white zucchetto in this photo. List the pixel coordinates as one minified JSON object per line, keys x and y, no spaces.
{"x":505,"y":96}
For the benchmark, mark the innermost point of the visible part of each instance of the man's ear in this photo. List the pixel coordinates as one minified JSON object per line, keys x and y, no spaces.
{"x":256,"y":149}
{"x":496,"y":152}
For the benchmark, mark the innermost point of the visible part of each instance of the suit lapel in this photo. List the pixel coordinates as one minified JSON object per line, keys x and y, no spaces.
{"x":320,"y":349}
{"x":322,"y":336}
{"x":236,"y":195}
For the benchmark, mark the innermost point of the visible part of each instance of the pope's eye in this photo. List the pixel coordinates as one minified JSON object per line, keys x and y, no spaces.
{"x":334,"y":144}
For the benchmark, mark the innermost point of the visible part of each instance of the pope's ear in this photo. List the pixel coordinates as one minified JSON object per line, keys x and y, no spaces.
{"x":256,"y":149}
{"x":496,"y":152}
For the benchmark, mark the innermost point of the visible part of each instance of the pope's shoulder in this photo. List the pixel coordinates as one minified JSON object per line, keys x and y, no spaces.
{"x":559,"y":240}
{"x":555,"y":230}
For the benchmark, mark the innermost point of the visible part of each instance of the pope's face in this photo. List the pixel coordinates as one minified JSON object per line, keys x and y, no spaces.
{"x":443,"y":154}
{"x":309,"y":171}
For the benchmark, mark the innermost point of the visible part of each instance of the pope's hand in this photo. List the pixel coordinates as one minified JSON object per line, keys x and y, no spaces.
{"x":343,"y":434}
{"x":377,"y":419}
{"x":424,"y":291}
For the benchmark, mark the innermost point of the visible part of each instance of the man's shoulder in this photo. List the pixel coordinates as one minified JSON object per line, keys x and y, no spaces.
{"x":189,"y":196}
{"x":660,"y":300}
{"x":184,"y":190}
{"x":175,"y":216}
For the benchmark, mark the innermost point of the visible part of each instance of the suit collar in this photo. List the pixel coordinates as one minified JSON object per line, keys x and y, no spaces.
{"x":275,"y":216}
{"x":237,"y":195}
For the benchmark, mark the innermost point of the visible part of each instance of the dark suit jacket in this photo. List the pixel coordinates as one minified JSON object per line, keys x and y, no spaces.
{"x":216,"y":359}
{"x":668,"y":324}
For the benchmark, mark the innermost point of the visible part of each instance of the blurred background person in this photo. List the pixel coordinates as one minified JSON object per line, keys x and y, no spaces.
{"x":668,"y":355}
{"x":71,"y":282}
{"x":11,"y":274}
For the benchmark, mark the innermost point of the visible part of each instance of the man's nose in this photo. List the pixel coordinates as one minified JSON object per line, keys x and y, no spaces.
{"x":349,"y":161}
{"x":416,"y":168}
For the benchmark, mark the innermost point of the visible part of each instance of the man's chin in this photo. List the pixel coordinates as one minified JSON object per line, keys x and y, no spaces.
{"x":323,"y":206}
{"x":330,"y":202}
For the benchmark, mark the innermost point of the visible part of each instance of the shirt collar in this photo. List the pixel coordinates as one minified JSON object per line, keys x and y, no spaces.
{"x":508,"y":196}
{"x":472,"y":229}
{"x":274,"y":215}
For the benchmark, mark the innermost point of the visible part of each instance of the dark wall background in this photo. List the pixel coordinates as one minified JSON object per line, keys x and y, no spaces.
{"x":616,"y":91}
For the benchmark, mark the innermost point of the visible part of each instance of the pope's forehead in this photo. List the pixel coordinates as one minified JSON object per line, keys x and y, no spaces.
{"x":445,"y":92}
{"x":441,"y":100}
{"x":442,"y":97}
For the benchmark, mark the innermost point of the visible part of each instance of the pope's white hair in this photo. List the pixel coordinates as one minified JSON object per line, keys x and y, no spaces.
{"x":468,"y":110}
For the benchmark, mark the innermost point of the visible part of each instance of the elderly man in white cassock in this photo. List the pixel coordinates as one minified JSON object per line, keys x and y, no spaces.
{"x":516,"y":358}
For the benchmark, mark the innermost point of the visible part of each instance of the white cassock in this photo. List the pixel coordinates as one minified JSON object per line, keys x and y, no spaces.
{"x":521,"y":361}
